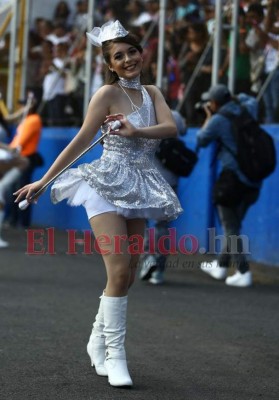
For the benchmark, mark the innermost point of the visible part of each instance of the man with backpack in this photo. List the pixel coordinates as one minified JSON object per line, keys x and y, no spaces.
{"x":241,"y":145}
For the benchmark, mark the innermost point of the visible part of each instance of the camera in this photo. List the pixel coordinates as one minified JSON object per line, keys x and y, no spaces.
{"x":199,"y":106}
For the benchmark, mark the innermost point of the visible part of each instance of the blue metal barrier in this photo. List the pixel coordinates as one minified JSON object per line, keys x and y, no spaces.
{"x":61,"y":216}
{"x":261,"y":224}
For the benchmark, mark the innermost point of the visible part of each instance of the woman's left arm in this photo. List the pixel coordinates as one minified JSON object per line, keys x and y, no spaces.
{"x":165,"y":127}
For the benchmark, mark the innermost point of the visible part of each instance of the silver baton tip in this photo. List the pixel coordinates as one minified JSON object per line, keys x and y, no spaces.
{"x":23,"y":204}
{"x":115,"y":125}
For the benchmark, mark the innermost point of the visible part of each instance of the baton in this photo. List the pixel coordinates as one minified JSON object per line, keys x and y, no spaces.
{"x":110,"y":127}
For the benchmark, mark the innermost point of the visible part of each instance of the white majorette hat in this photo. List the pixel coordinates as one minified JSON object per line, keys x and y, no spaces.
{"x":110,"y":30}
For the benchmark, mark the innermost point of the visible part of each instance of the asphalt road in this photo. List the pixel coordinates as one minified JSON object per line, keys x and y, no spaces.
{"x":190,"y":339}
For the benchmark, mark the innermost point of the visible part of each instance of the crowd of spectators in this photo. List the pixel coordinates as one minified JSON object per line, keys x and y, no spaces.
{"x":56,"y":60}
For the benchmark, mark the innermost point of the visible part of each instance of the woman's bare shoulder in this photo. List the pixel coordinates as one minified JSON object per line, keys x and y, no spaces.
{"x":153,"y":90}
{"x":105,"y":95}
{"x":107,"y":90}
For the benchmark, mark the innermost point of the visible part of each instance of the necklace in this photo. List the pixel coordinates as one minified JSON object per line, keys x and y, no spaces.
{"x":136,"y":108}
{"x":133,"y":105}
{"x":130,"y":83}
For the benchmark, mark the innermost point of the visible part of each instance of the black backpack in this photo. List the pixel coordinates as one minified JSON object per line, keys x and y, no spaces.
{"x":256,"y":154}
{"x":175,"y":156}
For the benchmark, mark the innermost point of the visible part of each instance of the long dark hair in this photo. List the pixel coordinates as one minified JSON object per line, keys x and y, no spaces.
{"x":112,"y":77}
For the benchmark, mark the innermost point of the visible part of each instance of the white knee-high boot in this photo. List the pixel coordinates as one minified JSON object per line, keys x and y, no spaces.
{"x":115,"y":310}
{"x":96,"y":347}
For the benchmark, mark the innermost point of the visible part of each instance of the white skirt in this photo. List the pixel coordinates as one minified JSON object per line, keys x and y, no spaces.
{"x":144,"y":195}
{"x":94,"y":204}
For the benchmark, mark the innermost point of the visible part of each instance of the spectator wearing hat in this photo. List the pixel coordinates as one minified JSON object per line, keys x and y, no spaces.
{"x":218,"y":128}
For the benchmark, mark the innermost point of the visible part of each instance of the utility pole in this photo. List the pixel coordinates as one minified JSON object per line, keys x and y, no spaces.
{"x":217,"y":42}
{"x":161,"y":44}
{"x":233,"y":46}
{"x":12,"y":57}
{"x":88,"y":58}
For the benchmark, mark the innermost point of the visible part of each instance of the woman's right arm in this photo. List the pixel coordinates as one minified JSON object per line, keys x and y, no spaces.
{"x":98,"y":108}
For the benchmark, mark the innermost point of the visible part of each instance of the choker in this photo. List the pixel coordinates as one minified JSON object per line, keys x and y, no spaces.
{"x":130,"y":83}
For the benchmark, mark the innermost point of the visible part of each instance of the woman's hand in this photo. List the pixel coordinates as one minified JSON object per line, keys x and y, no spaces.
{"x":126,"y":129}
{"x":27,"y":191}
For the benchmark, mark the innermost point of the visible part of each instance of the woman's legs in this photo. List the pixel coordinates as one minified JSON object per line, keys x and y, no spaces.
{"x":114,"y":233}
{"x":111,"y":230}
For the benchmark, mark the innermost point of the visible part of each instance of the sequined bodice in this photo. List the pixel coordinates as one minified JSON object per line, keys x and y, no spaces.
{"x":134,"y":150}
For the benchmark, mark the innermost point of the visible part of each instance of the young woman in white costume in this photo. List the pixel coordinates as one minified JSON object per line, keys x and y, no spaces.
{"x":121,"y":189}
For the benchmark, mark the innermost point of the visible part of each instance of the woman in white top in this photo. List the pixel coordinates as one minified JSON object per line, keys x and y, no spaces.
{"x":121,"y":189}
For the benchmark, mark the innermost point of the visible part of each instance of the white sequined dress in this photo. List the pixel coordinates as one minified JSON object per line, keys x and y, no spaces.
{"x":125,"y":176}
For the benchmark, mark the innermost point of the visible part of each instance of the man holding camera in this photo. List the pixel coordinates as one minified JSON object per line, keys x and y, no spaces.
{"x":218,"y":128}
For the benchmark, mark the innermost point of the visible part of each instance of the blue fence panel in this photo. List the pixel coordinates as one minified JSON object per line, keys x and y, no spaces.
{"x":194,"y":192}
{"x":262,"y":222}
